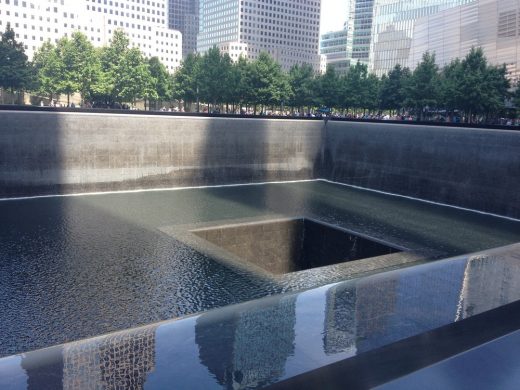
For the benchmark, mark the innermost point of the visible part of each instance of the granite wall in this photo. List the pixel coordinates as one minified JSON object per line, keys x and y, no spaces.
{"x":467,"y":167}
{"x":48,"y":153}
{"x":52,"y":152}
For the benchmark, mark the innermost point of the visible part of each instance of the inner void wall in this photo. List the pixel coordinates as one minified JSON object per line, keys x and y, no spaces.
{"x":50,"y":153}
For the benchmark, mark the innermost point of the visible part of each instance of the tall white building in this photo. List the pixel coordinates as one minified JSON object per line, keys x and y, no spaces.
{"x":144,"y":21}
{"x":288,"y":30}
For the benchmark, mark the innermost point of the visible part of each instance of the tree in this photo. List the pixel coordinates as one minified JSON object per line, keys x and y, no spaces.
{"x":86,"y":65}
{"x":516,"y":97}
{"x":15,"y":73}
{"x":423,"y":88}
{"x":370,"y":96}
{"x":48,"y":68}
{"x":243,"y":72}
{"x":451,"y":94}
{"x":351,"y":94}
{"x":186,"y":80}
{"x":391,"y":92}
{"x":108,"y":86}
{"x":213,"y":75}
{"x":79,"y":63}
{"x":161,"y":83}
{"x":302,"y":83}
{"x":267,"y":82}
{"x":328,"y":89}
{"x":133,"y":79}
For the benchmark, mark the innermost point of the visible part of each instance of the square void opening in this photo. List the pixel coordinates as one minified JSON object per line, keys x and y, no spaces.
{"x":284,"y":246}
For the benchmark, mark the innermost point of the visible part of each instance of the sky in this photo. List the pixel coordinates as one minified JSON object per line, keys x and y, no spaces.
{"x":333,"y":15}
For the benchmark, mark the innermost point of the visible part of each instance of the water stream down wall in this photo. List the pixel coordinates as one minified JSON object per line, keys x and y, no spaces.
{"x":51,"y":153}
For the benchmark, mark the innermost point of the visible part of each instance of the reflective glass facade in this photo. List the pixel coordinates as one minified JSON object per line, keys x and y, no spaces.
{"x":362,"y":15}
{"x":393,"y":28}
{"x":491,"y":24}
{"x":334,"y":46}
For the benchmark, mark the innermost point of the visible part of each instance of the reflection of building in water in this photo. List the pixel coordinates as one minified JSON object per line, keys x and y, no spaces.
{"x":120,"y":361}
{"x":375,"y":306}
{"x":405,"y":304}
{"x":340,"y":319}
{"x":38,"y":374}
{"x":249,"y":348}
{"x":489,"y":282}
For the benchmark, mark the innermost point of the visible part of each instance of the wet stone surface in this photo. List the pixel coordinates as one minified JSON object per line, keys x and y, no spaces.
{"x":75,"y":267}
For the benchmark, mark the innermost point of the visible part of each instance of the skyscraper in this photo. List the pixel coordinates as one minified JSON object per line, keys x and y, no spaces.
{"x":36,"y":21}
{"x":287,"y":30}
{"x":183,"y":15}
{"x":361,"y":14}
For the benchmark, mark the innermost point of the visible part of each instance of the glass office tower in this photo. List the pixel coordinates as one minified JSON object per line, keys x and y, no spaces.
{"x":393,"y":25}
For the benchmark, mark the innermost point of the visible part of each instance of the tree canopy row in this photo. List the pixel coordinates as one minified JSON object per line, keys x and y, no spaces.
{"x":118,"y":73}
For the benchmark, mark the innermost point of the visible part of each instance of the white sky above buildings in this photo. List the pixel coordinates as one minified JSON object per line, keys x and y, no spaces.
{"x":333,"y":15}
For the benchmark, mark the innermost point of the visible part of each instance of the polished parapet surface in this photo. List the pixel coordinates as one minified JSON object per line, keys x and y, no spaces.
{"x":269,"y":342}
{"x":78,"y":266}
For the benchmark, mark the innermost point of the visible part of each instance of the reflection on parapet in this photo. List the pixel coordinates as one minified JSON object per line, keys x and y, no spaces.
{"x":38,"y":374}
{"x":122,"y":361}
{"x":374,"y":308}
{"x":249,"y":348}
{"x":340,"y":319}
{"x":118,"y":361}
{"x":489,"y":281}
{"x":376,"y":311}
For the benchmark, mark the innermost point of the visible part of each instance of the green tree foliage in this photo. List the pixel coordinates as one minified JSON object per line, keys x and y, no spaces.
{"x":516,"y":97}
{"x":85,"y":64}
{"x":161,"y":81}
{"x":48,"y":68}
{"x":391,"y":92}
{"x":423,"y":88}
{"x":15,"y":73}
{"x":79,"y":67}
{"x":134,"y":79}
{"x":303,"y":82}
{"x":474,"y":87}
{"x":451,"y":94}
{"x":214,"y":76}
{"x":118,"y":74}
{"x":329,"y":88}
{"x":186,"y":80}
{"x":269,"y":85}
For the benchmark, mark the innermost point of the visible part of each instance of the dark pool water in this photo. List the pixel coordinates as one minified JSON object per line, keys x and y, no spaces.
{"x":78,"y":266}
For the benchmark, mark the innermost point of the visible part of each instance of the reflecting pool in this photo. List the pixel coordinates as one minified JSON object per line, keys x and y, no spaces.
{"x":77,"y":266}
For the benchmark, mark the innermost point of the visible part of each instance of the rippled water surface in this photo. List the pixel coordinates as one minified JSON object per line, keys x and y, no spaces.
{"x":78,"y":266}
